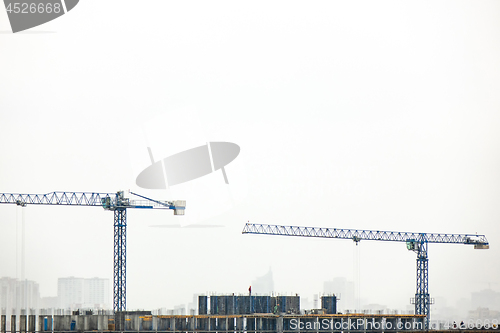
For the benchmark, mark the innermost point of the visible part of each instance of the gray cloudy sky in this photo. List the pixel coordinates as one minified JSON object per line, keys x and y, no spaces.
{"x":377,"y":115}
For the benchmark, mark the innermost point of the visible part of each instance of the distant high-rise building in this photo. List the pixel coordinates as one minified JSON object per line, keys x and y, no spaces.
{"x":16,"y":294}
{"x":77,"y":293}
{"x":344,"y":290}
{"x":263,"y":284}
{"x":70,"y":292}
{"x":487,"y":298}
{"x":96,"y":293}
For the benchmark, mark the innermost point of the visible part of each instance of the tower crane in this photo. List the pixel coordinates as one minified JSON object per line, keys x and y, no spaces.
{"x":416,"y":242}
{"x":115,"y":202}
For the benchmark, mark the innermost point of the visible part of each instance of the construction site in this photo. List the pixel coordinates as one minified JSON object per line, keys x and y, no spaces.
{"x":224,"y":313}
{"x":232,"y":313}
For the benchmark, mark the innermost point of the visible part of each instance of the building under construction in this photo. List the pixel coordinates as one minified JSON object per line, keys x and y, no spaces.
{"x":228,"y":313}
{"x":222,"y":313}
{"x":248,"y":323}
{"x":240,"y":304}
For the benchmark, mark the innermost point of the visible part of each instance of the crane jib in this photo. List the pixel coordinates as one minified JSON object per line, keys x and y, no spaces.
{"x":115,"y":202}
{"x":353,"y":234}
{"x":416,"y":242}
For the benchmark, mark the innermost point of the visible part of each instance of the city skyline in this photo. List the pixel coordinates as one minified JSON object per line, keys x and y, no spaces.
{"x":72,"y":293}
{"x":86,"y":293}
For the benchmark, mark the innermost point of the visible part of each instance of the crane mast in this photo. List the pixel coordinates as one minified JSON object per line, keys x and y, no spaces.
{"x":116,"y":202}
{"x":416,"y":242}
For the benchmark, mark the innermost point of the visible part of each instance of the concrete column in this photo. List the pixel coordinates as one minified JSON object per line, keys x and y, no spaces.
{"x":221,"y":324}
{"x":3,"y":324}
{"x":212,"y":324}
{"x":391,"y":323}
{"x":136,"y":321}
{"x":251,"y":325}
{"x":102,"y":322}
{"x":40,"y":323}
{"x":62,"y":323}
{"x":57,"y":323}
{"x":345,"y":323}
{"x":92,"y":323}
{"x":191,"y":325}
{"x":279,"y":324}
{"x":67,"y":322}
{"x":13,"y":323}
{"x":325,"y":324}
{"x":419,"y":324}
{"x":160,"y":324}
{"x":336,"y":324}
{"x":88,"y":320}
{"x":50,"y":323}
{"x":154,"y":324}
{"x":331,"y":325}
{"x":364,"y":324}
{"x":31,"y":323}
{"x":379,"y":324}
{"x":370,"y":324}
{"x":273,"y":323}
{"x":406,"y":324}
{"x":180,"y":324}
{"x":240,"y":324}
{"x":172,"y":324}
{"x":80,"y":322}
{"x":119,"y":321}
{"x":22,"y":323}
{"x":231,"y":324}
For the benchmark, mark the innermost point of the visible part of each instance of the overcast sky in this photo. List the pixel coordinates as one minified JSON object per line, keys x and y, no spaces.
{"x":369,"y":115}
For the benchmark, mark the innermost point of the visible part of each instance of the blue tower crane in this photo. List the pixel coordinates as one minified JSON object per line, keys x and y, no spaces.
{"x":416,"y":242}
{"x":115,"y":202}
